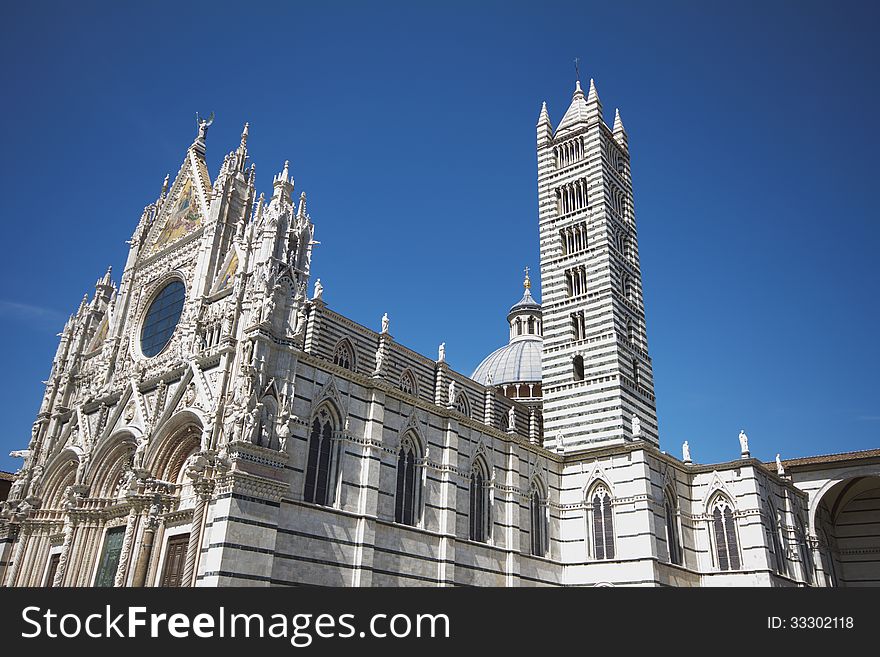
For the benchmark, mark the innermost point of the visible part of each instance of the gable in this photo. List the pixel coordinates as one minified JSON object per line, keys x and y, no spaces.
{"x":185,"y":207}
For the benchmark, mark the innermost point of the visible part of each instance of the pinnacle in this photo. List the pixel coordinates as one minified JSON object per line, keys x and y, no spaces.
{"x":618,"y":122}
{"x":593,"y":95}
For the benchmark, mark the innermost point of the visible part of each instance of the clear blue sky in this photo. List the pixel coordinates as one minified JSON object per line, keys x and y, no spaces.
{"x":411,"y":126}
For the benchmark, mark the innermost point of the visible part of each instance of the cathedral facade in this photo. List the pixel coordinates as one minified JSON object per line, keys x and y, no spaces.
{"x":211,"y":421}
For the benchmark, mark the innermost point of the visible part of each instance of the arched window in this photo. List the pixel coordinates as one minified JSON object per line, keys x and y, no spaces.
{"x":724,"y":532}
{"x":578,"y":363}
{"x":408,"y":383}
{"x":479,"y":521}
{"x":462,"y":405}
{"x":406,"y":500}
{"x":673,"y":539}
{"x":344,"y":355}
{"x":318,"y":480}
{"x":603,"y":523}
{"x":537,"y":509}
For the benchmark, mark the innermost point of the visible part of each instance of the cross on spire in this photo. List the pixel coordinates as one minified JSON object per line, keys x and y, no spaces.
{"x":527,"y":283}
{"x":577,"y":71}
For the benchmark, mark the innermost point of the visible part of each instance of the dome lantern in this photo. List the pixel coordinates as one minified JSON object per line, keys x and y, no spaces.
{"x":516,"y":367}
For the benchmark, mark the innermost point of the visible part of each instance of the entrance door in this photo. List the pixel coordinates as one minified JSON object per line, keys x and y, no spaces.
{"x":175,"y":559}
{"x":54,"y":560}
{"x":110,"y":557}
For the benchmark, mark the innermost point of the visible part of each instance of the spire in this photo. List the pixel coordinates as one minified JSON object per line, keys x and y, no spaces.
{"x":301,"y":211}
{"x":105,"y":284}
{"x":241,"y":152}
{"x":544,"y":116}
{"x":282,"y":182}
{"x":618,"y":123}
{"x":593,"y":95}
{"x":619,"y":132}
{"x":578,"y":111}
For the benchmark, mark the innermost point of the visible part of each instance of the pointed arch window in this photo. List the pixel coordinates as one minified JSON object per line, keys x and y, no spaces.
{"x":318,"y":466}
{"x":478,"y":496}
{"x":603,"y":523}
{"x":344,"y":355}
{"x":538,"y":513}
{"x":462,"y":405}
{"x":724,"y":534}
{"x":407,"y":497}
{"x":673,"y":537}
{"x":408,"y":383}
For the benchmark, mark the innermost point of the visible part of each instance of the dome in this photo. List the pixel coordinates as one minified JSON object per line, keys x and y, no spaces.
{"x":519,"y":361}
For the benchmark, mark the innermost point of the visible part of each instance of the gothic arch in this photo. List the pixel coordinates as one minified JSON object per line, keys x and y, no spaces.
{"x":169,"y":448}
{"x":345,"y":354}
{"x":322,"y":455}
{"x":59,"y":474}
{"x":462,"y":404}
{"x":109,"y":461}
{"x":408,"y":502}
{"x":408,"y":382}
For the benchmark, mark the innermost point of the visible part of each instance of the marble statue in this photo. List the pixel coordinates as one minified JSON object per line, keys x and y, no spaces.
{"x":743,"y":443}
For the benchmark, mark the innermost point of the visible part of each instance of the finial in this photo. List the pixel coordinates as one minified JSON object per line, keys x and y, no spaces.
{"x":577,"y":71}
{"x":527,"y":283}
{"x":244,"y":133}
{"x":165,"y":186}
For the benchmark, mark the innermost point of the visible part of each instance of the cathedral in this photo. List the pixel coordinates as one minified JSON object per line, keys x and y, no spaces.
{"x":209,"y":420}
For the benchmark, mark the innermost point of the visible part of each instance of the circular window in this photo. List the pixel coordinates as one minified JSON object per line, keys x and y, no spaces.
{"x":162,"y":318}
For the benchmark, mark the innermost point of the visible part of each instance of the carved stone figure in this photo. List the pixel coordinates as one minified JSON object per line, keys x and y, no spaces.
{"x":247,"y":350}
{"x":266,"y":430}
{"x":686,"y":452}
{"x":743,"y":443}
{"x":268,"y":307}
{"x":139,"y":454}
{"x":441,"y":356}
{"x":385,"y":323}
{"x":81,"y":469}
{"x":283,"y":432}
{"x":511,"y":419}
{"x":250,"y":423}
{"x":379,"y":359}
{"x":35,"y":485}
{"x":452,"y":392}
{"x":779,"y":469}
{"x":636,"y":426}
{"x":17,"y":488}
{"x":319,"y":289}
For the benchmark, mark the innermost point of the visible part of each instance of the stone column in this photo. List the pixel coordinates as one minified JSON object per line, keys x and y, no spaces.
{"x":69,"y":530}
{"x":146,"y":551}
{"x":203,"y":488}
{"x":17,"y":555}
{"x":131,"y":523}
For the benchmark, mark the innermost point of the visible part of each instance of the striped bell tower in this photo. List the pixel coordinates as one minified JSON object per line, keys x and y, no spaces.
{"x":597,"y":380}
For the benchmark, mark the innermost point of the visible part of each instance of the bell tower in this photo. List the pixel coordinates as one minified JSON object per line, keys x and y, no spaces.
{"x":597,"y":379}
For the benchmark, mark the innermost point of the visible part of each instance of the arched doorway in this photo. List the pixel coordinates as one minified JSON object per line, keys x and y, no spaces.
{"x":847,"y":524}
